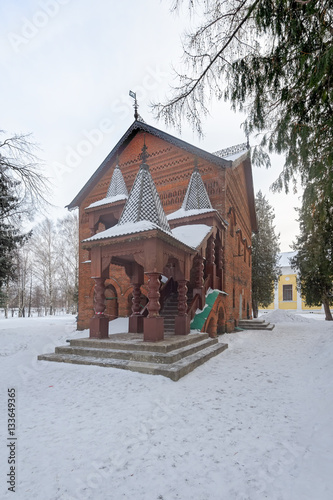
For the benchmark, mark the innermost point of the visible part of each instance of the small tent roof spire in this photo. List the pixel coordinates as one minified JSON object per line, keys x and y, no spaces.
{"x":196,"y":196}
{"x":144,"y":203}
{"x":117,"y":185}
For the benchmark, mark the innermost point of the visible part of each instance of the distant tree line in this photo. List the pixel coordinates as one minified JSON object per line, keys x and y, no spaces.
{"x":39,"y":268}
{"x":44,"y":279}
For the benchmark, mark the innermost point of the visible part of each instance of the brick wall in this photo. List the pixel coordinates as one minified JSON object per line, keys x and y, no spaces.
{"x":171,"y":169}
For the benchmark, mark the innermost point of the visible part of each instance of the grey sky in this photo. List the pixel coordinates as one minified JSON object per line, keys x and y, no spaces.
{"x":67,"y":67}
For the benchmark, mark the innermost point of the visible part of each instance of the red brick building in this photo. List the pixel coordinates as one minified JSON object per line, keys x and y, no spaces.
{"x":193,"y":214}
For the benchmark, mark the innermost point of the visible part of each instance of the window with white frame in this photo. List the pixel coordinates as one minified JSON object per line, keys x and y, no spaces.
{"x":287,"y":293}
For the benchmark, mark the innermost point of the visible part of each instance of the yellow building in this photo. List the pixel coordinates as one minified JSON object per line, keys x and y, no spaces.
{"x":286,"y":295}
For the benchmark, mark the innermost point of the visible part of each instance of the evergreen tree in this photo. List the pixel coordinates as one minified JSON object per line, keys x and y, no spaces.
{"x":314,"y":259}
{"x":265,"y":256}
{"x":10,"y":238}
{"x":273,"y":60}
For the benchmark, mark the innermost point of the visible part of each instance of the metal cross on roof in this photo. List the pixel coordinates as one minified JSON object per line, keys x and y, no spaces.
{"x":133,"y":95}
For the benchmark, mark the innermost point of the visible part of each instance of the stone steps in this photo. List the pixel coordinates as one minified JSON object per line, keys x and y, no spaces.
{"x":146,"y":356}
{"x":255,"y":324}
{"x":173,"y":357}
{"x":169,"y":313}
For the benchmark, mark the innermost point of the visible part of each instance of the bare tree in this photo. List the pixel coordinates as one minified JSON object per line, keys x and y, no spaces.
{"x":273,"y":60}
{"x":46,"y":261}
{"x":23,"y":190}
{"x":68,"y":247}
{"x":22,"y":170}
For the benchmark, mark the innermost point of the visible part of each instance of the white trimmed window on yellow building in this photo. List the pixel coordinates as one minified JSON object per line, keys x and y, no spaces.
{"x":286,"y":295}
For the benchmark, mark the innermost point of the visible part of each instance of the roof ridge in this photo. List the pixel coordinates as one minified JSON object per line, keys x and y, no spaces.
{"x":238,"y":148}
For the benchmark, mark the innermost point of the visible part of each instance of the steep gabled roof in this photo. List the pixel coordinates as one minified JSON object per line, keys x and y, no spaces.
{"x":144,"y":203}
{"x":121,"y":145}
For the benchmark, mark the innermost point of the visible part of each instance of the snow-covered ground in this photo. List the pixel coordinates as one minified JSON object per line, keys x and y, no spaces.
{"x":253,"y":423}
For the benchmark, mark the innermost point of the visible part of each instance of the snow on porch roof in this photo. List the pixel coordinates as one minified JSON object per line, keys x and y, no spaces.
{"x":107,"y":200}
{"x":125,"y":229}
{"x":196,"y":200}
{"x":181,"y":213}
{"x":117,"y":189}
{"x":191,"y":235}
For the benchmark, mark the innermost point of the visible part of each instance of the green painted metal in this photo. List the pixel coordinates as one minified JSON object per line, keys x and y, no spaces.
{"x":199,"y":319}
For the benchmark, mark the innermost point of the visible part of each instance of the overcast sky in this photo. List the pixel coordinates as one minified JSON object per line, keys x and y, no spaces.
{"x":66,"y":69}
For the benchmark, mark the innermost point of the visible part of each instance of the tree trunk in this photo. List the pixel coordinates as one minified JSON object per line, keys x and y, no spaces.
{"x":255,"y":308}
{"x":328,"y":314}
{"x":7,"y":300}
{"x":30,"y":296}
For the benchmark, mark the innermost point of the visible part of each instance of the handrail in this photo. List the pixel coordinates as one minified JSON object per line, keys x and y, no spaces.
{"x":144,"y":311}
{"x":165,"y":291}
{"x":207,"y":284}
{"x":193,"y":306}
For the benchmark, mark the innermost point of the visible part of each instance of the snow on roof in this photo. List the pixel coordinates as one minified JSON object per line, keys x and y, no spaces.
{"x":232,"y":153}
{"x":284,"y":258}
{"x":179,"y":214}
{"x":124,"y":229}
{"x":117,"y":190}
{"x":110,"y":199}
{"x":196,"y":200}
{"x":235,"y":156}
{"x":191,"y":234}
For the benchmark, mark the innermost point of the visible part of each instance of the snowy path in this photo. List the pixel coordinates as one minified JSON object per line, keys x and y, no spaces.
{"x":253,"y":423}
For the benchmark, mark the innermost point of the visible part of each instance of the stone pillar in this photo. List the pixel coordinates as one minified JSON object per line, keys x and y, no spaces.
{"x":136,"y":320}
{"x":198,"y":281}
{"x":153,"y":326}
{"x":99,"y":323}
{"x":210,"y":261}
{"x":182,"y":321}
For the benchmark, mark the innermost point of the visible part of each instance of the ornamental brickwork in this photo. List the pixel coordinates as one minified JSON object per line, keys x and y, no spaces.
{"x":227,"y":254}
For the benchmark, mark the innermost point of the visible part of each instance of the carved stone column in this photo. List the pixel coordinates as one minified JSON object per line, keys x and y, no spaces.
{"x":136,"y":320}
{"x":153,"y":326}
{"x":210,"y":260}
{"x":99,"y":324}
{"x":182,"y":323}
{"x":198,"y":280}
